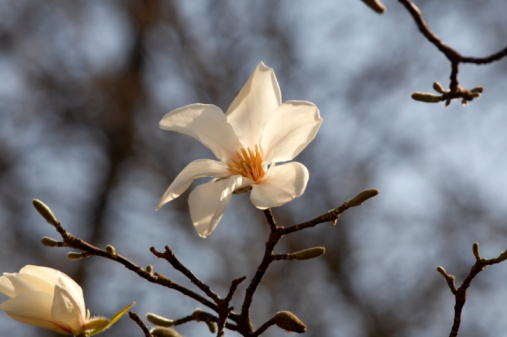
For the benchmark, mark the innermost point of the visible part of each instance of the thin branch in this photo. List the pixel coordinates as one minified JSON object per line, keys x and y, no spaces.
{"x":461,"y":292}
{"x":135,"y":317}
{"x":71,"y":241}
{"x":170,"y":257}
{"x":452,"y":55}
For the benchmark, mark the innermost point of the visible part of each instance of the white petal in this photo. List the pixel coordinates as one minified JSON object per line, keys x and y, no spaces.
{"x":22,"y":283}
{"x":280,"y":185}
{"x":34,"y":309}
{"x":206,"y":123}
{"x":207,"y":202}
{"x":252,"y":108}
{"x":68,"y":303}
{"x":291,"y":128}
{"x":197,"y":169}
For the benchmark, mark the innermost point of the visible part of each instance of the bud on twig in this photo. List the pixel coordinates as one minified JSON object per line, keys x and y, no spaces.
{"x":307,"y":254}
{"x":376,"y":5}
{"x":73,"y":256}
{"x":111,"y":250}
{"x":426,"y":97}
{"x":438,"y":87}
{"x":164,"y":332}
{"x":49,"y":242}
{"x":362,"y":197}
{"x":289,"y":322}
{"x":45,"y":212}
{"x":159,"y":320}
{"x":149,"y":269}
{"x":475,"y":249}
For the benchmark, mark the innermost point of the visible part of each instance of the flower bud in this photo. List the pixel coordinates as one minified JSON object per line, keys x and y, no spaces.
{"x":45,"y":212}
{"x":477,"y":89}
{"x":438,"y":87}
{"x":149,"y":269}
{"x":164,"y":332}
{"x":289,"y":322}
{"x":307,"y":254}
{"x":376,"y":5}
{"x":111,"y":250}
{"x":159,"y":320}
{"x":362,"y":197}
{"x":73,"y":256}
{"x":426,"y":97}
{"x":49,"y":242}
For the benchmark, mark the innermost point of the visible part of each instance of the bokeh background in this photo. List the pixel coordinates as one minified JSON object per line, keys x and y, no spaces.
{"x":83,"y":85}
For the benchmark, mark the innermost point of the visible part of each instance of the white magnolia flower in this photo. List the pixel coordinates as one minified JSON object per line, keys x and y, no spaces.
{"x":44,"y":297}
{"x":48,"y":298}
{"x":257,"y":131}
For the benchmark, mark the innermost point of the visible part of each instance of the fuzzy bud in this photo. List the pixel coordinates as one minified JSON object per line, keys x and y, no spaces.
{"x":477,"y":90}
{"x":149,"y":269}
{"x":49,"y":242}
{"x":111,"y":250}
{"x":289,"y":322}
{"x":426,"y":97}
{"x":159,"y":320}
{"x":375,"y":5}
{"x":164,"y":332}
{"x":362,"y":197}
{"x":307,"y":254}
{"x":45,"y":212}
{"x":73,"y":256}
{"x":438,"y":87}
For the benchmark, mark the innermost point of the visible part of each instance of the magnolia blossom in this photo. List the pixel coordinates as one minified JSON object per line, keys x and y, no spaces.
{"x":44,"y":297}
{"x":255,"y":133}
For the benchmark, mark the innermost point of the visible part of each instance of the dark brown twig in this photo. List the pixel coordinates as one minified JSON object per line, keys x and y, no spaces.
{"x":170,"y":257}
{"x":461,"y":292}
{"x":456,"y":92}
{"x":135,"y":317}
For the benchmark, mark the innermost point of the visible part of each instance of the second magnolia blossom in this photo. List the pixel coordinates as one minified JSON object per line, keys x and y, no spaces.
{"x":255,"y":133}
{"x":50,"y":299}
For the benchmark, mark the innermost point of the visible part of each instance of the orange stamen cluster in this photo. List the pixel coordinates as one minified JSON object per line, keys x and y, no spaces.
{"x":248,"y":163}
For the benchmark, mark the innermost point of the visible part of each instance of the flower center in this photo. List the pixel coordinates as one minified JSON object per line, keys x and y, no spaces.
{"x":248,"y":163}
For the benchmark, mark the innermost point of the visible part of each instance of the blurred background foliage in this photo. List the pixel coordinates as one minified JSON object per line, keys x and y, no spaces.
{"x":84,"y":84}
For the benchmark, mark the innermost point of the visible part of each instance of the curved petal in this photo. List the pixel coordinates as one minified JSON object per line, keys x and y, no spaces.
{"x":207,"y":202}
{"x":206,"y":123}
{"x":252,"y":108}
{"x":280,"y":185}
{"x":68,"y":304}
{"x":22,"y":283}
{"x":196,"y":169}
{"x":291,"y":128}
{"x":32,"y":308}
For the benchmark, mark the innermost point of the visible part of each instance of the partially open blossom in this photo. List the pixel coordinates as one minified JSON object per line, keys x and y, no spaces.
{"x":48,"y":298}
{"x":255,"y":133}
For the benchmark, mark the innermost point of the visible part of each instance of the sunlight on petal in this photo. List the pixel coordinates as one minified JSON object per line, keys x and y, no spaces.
{"x":291,"y":128}
{"x":281,"y":184}
{"x":252,"y":108}
{"x":206,"y":123}
{"x":207,"y":202}
{"x":197,"y":169}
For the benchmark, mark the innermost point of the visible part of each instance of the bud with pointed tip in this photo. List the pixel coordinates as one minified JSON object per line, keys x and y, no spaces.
{"x":307,"y":254}
{"x":49,"y":242}
{"x":159,"y":320}
{"x":478,"y":89}
{"x":73,"y":256}
{"x":426,"y":97}
{"x":376,"y":5}
{"x":362,"y":197}
{"x":45,"y":212}
{"x":289,"y":322}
